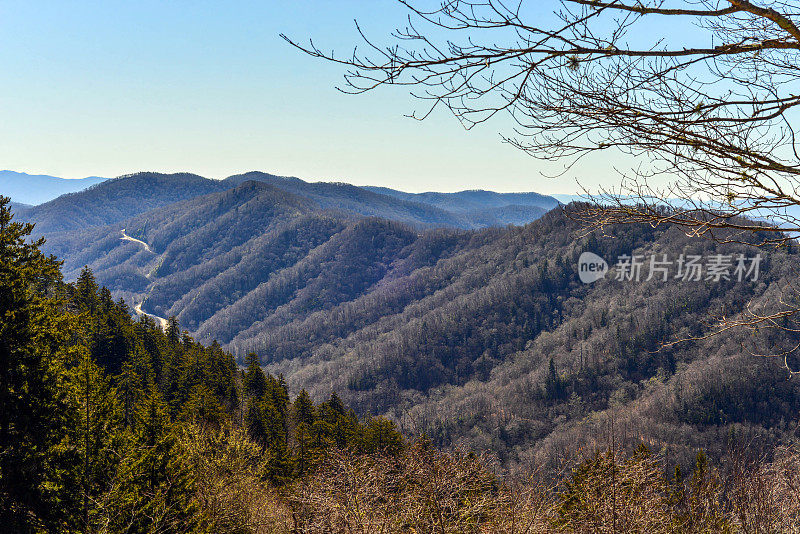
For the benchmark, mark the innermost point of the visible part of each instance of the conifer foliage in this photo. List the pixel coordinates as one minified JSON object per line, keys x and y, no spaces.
{"x":102,"y":414}
{"x":35,"y":348}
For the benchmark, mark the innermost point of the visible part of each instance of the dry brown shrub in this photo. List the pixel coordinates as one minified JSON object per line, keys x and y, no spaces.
{"x":766,"y":497}
{"x":422,"y":490}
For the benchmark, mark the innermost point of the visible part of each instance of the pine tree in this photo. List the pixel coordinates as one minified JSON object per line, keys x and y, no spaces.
{"x":85,"y":293}
{"x":35,"y":344}
{"x":255,"y":422}
{"x":203,"y":409}
{"x":336,"y":405}
{"x":93,"y":434}
{"x":335,"y":423}
{"x":304,"y":409}
{"x":155,"y":488}
{"x":133,"y":382}
{"x":304,"y":421}
{"x":222,"y":372}
{"x":255,"y":381}
{"x":173,"y":330}
{"x":280,"y":464}
{"x":304,"y":454}
{"x":381,"y":435}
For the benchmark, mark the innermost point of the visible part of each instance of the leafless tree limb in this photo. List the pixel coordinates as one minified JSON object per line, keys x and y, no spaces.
{"x":701,"y":94}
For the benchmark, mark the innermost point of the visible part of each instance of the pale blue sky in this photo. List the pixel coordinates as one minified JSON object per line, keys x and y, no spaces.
{"x":107,"y":88}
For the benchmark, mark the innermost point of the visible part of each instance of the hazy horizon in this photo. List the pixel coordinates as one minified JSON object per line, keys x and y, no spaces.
{"x":116,"y":88}
{"x":310,"y":180}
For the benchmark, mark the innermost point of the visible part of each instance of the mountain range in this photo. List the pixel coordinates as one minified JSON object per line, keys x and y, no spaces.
{"x":409,"y":306}
{"x":129,"y":195}
{"x":38,"y":188}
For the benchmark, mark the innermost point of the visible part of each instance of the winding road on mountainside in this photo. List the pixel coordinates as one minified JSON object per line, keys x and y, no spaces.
{"x":160,"y":320}
{"x":138,"y":307}
{"x":126,"y":237}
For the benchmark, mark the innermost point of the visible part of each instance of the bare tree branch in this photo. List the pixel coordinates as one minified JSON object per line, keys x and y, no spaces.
{"x":702,"y":95}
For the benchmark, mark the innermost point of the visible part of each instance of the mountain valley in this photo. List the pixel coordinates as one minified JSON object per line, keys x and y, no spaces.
{"x":483,"y":337}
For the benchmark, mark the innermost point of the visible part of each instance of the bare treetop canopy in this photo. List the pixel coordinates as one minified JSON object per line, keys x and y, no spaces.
{"x":702,"y":94}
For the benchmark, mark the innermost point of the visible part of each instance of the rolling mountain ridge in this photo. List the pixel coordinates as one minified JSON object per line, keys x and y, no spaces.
{"x":483,"y":337}
{"x":121,"y":198}
{"x":472,"y":200}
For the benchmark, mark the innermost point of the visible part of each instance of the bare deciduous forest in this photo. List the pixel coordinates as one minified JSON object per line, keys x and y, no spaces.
{"x":337,"y":358}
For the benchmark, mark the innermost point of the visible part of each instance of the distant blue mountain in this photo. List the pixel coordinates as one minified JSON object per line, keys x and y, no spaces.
{"x":38,"y":188}
{"x":471,"y":200}
{"x":566,"y":199}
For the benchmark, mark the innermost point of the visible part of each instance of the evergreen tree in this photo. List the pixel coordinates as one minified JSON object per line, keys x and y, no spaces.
{"x":304,"y":454}
{"x":35,"y":344}
{"x":336,"y":405}
{"x":274,"y":423}
{"x":255,"y":422}
{"x":173,"y":330}
{"x":203,"y":409}
{"x":335,"y":423}
{"x":133,"y":382}
{"x":93,"y":434}
{"x":255,"y":381}
{"x":85,"y":292}
{"x":381,"y":435}
{"x":155,"y":487}
{"x":280,"y":464}
{"x":304,"y":409}
{"x":304,"y":421}
{"x":222,"y":376}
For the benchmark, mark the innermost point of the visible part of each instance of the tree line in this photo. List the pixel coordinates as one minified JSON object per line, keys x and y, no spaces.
{"x":105,"y":418}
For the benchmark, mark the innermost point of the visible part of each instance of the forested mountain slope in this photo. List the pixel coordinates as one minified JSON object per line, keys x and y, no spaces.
{"x":600,"y":375}
{"x":497,"y":345}
{"x":237,"y":262}
{"x":115,"y":425}
{"x":119,"y":425}
{"x":481,"y":209}
{"x":353,"y":199}
{"x":224,"y":262}
{"x":117,"y":199}
{"x":452,"y":332}
{"x":471,"y":200}
{"x":18,"y":207}
{"x":467,"y":209}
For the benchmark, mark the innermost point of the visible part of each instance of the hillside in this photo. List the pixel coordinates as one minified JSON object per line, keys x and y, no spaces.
{"x":452,"y":332}
{"x":108,"y":421}
{"x":460,"y":348}
{"x":467,"y":209}
{"x":471,"y":200}
{"x":515,"y":214}
{"x":117,"y":199}
{"x":38,"y":188}
{"x":18,"y":207}
{"x":119,"y":425}
{"x":481,"y":209}
{"x":352,"y":199}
